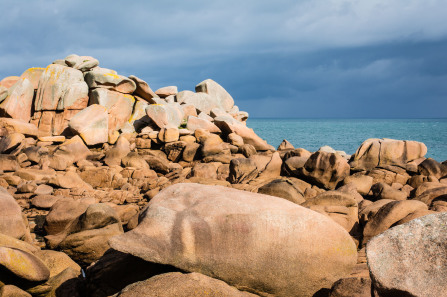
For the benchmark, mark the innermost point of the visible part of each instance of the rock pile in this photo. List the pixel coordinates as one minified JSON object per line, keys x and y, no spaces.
{"x":170,"y":193}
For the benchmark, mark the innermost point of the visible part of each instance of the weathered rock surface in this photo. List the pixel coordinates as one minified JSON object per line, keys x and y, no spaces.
{"x":182,"y":285}
{"x":110,"y":81}
{"x":18,"y":103}
{"x":325,"y":169}
{"x":378,"y":152}
{"x":390,"y":214}
{"x":119,"y":106}
{"x":91,"y":124}
{"x":209,"y":239}
{"x":61,"y":87}
{"x":143,"y":90}
{"x":217,"y":92}
{"x":410,"y":259}
{"x":11,"y":220}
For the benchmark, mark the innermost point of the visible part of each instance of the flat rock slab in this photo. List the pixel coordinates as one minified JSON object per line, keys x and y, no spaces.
{"x":411,"y":259}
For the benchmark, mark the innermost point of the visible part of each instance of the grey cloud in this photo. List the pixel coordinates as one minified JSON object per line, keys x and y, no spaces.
{"x":318,"y":58}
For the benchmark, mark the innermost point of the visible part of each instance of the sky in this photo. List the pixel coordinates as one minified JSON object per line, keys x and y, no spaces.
{"x":282,"y":58}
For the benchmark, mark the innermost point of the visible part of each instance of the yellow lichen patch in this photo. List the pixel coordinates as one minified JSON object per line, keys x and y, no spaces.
{"x":23,"y":264}
{"x":112,"y":75}
{"x":32,"y":69}
{"x":156,"y":104}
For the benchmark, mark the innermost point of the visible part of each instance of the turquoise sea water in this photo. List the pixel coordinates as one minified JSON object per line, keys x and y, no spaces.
{"x":348,"y":134}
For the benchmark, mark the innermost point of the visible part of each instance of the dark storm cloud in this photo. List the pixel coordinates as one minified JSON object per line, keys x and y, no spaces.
{"x":332,"y":58}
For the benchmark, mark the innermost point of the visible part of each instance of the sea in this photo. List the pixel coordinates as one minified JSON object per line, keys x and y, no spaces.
{"x":348,"y":134}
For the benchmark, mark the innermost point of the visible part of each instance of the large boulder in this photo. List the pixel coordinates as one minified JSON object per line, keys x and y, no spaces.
{"x":91,"y":124}
{"x":242,"y":170}
{"x":18,"y":104}
{"x":194,"y":123}
{"x":165,"y":116}
{"x":255,"y":242}
{"x":19,"y":265}
{"x":33,"y":75}
{"x":61,"y":88}
{"x":143,"y":90}
{"x":410,"y":259}
{"x":391,"y":214}
{"x":203,"y":102}
{"x":86,"y":241}
{"x":222,"y":98}
{"x":111,"y":81}
{"x":339,"y":206}
{"x":18,"y":126}
{"x":378,"y":152}
{"x":430,"y":167}
{"x":11,"y":220}
{"x":182,"y":285}
{"x":9,"y":81}
{"x":283,"y":188}
{"x":8,"y":162}
{"x":119,"y":106}
{"x":82,"y":63}
{"x":229,"y":125}
{"x":325,"y":169}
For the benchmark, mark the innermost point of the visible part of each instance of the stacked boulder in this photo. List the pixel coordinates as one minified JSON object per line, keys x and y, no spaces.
{"x":171,"y":193}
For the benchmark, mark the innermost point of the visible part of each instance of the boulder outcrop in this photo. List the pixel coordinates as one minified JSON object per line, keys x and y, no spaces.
{"x":209,"y":239}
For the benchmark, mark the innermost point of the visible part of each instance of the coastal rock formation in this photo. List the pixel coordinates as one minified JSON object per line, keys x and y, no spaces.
{"x":177,"y":178}
{"x":380,"y":152}
{"x":209,"y":239}
{"x":419,"y":258}
{"x":182,"y":285}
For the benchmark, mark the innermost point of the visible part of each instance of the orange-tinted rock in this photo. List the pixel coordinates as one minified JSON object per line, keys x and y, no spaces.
{"x":59,"y":88}
{"x":390,"y":214}
{"x":363,"y":183}
{"x":9,"y":81}
{"x":166,"y":91}
{"x":430,"y":167}
{"x":352,"y":287}
{"x":110,"y":81}
{"x":143,"y":90}
{"x":11,"y":220}
{"x":18,"y":126}
{"x":165,"y":116}
{"x":168,"y":134}
{"x":91,"y":124}
{"x":249,"y":240}
{"x":339,"y":206}
{"x":87,"y":241}
{"x":8,"y":162}
{"x":82,"y":63}
{"x":432,"y":193}
{"x":18,"y":104}
{"x":182,"y":285}
{"x":53,"y":122}
{"x":13,"y":291}
{"x":283,"y":188}
{"x":384,"y":191}
{"x":409,"y":260}
{"x":229,"y":125}
{"x":23,"y":265}
{"x":378,"y":152}
{"x":33,"y":75}
{"x":216,"y":91}
{"x":202,"y":102}
{"x":326,"y":169}
{"x":195,"y":123}
{"x":119,"y":106}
